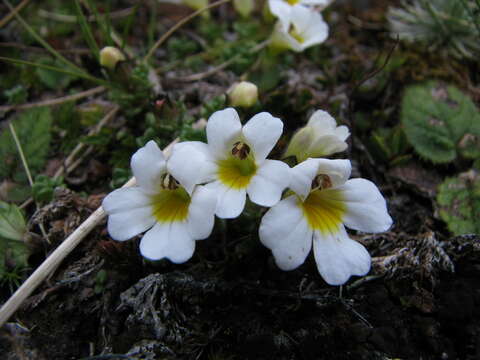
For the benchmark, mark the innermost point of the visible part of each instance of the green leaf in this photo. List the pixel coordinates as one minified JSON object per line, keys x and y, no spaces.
{"x":440,"y":122}
{"x":43,"y":188}
{"x":33,"y":129}
{"x":12,"y":223}
{"x":53,"y":79}
{"x":458,"y":200}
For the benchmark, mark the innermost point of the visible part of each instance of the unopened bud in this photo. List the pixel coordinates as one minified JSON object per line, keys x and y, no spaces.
{"x":243,"y":94}
{"x":244,"y":7}
{"x":196,"y":4}
{"x":110,"y":56}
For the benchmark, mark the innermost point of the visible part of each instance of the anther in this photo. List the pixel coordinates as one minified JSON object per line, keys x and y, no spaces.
{"x":321,"y":181}
{"x":240,"y":150}
{"x":169,"y":182}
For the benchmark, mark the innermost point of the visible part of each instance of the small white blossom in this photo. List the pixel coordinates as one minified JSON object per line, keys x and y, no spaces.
{"x":325,"y":201}
{"x":320,"y":137}
{"x":282,"y":9}
{"x":306,"y":28}
{"x":233,"y":163}
{"x":173,"y":216}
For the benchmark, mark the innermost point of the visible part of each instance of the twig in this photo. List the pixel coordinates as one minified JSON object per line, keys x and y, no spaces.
{"x":13,"y":12}
{"x":57,"y":101}
{"x":57,"y":256}
{"x":178,"y":25}
{"x":73,"y":19}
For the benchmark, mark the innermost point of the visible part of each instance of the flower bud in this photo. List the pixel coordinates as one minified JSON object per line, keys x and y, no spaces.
{"x":244,"y":7}
{"x":320,"y":137}
{"x":110,"y":56}
{"x":196,"y":4}
{"x":243,"y":94}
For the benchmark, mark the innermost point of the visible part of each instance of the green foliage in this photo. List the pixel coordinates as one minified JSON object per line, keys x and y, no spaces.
{"x":215,"y":104}
{"x":43,"y":187}
{"x":33,"y":129}
{"x":390,"y":145}
{"x":13,"y":252}
{"x":100,"y":281}
{"x":16,"y":95}
{"x":12,"y":223}
{"x":119,"y":177}
{"x":459,"y":203}
{"x":442,"y":25}
{"x":53,"y":79}
{"x":441,"y":122}
{"x":135,"y":91}
{"x":180,"y":47}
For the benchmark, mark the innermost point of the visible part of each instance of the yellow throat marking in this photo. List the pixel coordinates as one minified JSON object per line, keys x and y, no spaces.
{"x":171,"y":205}
{"x":324,"y":210}
{"x":236,"y":173}
{"x":293,"y":2}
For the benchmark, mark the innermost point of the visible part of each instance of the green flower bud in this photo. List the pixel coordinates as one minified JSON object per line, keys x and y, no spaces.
{"x":110,"y":56}
{"x":243,"y":94}
{"x":244,"y":7}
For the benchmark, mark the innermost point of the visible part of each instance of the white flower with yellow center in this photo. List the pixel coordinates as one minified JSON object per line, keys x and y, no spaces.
{"x":234,"y":163}
{"x":323,"y":203}
{"x":282,"y":9}
{"x":320,"y":137}
{"x":173,"y":216}
{"x":305,"y":29}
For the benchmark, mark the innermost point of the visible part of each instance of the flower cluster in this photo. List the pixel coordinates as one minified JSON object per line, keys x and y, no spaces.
{"x":299,"y":24}
{"x":176,"y":199}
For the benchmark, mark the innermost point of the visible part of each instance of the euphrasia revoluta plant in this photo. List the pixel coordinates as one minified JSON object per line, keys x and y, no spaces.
{"x":176,"y":198}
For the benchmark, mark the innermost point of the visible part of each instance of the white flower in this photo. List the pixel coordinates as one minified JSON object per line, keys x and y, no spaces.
{"x":320,"y":137}
{"x":282,"y":9}
{"x":176,"y":217}
{"x":325,"y":201}
{"x":233,"y":163}
{"x":306,"y":28}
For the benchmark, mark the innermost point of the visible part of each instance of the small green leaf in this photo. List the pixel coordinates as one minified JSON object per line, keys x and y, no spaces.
{"x":53,"y":79}
{"x":440,"y":122}
{"x":33,"y":129}
{"x":44,"y":186}
{"x":459,"y":203}
{"x":12,"y":223}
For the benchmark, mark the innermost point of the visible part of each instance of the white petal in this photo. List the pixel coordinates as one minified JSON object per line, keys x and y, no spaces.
{"x":281,"y":10}
{"x":125,"y":199}
{"x":314,"y":2}
{"x":342,"y":132}
{"x":301,"y":177}
{"x":284,"y":230}
{"x":281,"y":39}
{"x":366,"y":207}
{"x":148,"y":165}
{"x":338,"y":170}
{"x":267,"y":185}
{"x":338,"y":257}
{"x":309,"y":24}
{"x":262,"y":133}
{"x":168,"y":240}
{"x":129,"y":212}
{"x":322,"y":122}
{"x":223,"y":128}
{"x":230,"y":202}
{"x":327,"y":145}
{"x":191,"y":164}
{"x":201,"y":213}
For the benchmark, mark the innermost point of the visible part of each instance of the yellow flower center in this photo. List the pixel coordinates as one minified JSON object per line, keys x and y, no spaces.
{"x":171,"y":205}
{"x":296,"y":35}
{"x":293,"y":2}
{"x":236,"y":173}
{"x":324,"y":210}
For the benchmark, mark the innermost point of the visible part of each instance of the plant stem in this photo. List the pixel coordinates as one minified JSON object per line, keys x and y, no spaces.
{"x":13,"y":12}
{"x":178,"y":25}
{"x":27,"y":169}
{"x":83,"y":75}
